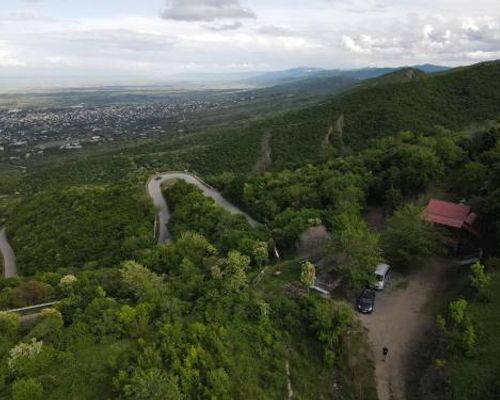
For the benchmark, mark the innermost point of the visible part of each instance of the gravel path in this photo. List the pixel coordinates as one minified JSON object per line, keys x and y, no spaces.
{"x":403,"y":316}
{"x":9,"y":259}
{"x":154,"y":190}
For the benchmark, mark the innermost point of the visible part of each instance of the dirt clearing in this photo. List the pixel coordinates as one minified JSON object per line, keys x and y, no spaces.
{"x":402,"y":318}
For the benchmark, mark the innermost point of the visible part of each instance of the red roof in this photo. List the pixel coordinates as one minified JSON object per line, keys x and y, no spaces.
{"x":450,"y":214}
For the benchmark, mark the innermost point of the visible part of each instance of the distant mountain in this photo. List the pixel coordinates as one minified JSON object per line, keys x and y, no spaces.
{"x":296,"y":74}
{"x":307,"y":87}
{"x":272,"y":78}
{"x":202,"y":77}
{"x":275,"y":77}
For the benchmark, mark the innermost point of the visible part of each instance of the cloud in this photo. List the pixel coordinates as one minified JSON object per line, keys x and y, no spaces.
{"x":8,"y":58}
{"x":360,"y":6}
{"x":350,"y":44}
{"x":273,"y":30}
{"x":112,"y":41}
{"x":224,"y":27}
{"x":205,"y":10}
{"x":429,"y":38}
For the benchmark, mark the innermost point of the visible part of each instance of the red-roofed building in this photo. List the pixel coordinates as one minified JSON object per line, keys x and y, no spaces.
{"x":457,"y":218}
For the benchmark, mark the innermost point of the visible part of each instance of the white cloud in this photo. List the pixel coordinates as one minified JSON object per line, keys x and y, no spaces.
{"x":351,"y":45}
{"x":7,"y":57}
{"x":429,"y":38}
{"x":205,"y":10}
{"x":61,"y":60}
{"x":224,"y":27}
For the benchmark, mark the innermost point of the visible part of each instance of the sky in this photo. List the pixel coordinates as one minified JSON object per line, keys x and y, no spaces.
{"x":151,"y":40}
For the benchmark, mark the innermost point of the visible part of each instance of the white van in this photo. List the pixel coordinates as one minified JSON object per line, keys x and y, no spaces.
{"x":381,"y":276}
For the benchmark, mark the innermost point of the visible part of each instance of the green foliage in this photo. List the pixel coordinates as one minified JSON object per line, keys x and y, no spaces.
{"x":75,"y":226}
{"x":49,"y":328}
{"x":478,"y":278}
{"x":328,"y":322}
{"x":408,"y":238}
{"x":9,"y":324}
{"x":27,"y":389}
{"x":154,"y":384}
{"x":308,"y":274}
{"x":469,"y":179}
{"x":354,"y":247}
{"x":135,"y":320}
{"x":403,"y":166}
{"x":193,"y":212}
{"x":233,"y":269}
{"x":475,"y":375}
{"x":181,"y":320}
{"x":31,"y":292}
{"x":457,"y":328}
{"x":140,"y":281}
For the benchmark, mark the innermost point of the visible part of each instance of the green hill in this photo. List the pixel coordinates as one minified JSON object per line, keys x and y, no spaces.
{"x":404,"y":100}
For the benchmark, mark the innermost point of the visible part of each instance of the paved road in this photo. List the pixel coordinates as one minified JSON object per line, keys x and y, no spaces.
{"x":9,"y":259}
{"x":154,"y":190}
{"x":403,"y":320}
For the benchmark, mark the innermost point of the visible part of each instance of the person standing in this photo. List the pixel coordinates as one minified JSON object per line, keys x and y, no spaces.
{"x":385,"y":351}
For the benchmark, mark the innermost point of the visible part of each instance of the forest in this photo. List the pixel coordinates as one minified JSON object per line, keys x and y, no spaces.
{"x":214,"y":314}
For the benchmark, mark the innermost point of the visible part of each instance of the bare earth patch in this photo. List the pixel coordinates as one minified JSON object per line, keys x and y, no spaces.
{"x":401,"y":320}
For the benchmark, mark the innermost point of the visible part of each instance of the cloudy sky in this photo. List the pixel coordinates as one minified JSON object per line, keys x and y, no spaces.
{"x":152,"y":39}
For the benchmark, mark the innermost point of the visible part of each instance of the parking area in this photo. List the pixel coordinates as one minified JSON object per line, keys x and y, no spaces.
{"x":401,"y":319}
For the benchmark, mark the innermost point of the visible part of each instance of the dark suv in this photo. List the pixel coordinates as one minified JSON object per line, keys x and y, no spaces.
{"x":366,"y":301}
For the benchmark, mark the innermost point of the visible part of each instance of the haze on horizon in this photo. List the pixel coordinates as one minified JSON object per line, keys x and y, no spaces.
{"x":150,"y":40}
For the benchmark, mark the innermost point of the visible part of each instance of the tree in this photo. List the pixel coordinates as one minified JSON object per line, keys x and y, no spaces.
{"x":469,"y":179}
{"x":67,"y":284}
{"x":457,"y":327}
{"x":23,"y":352}
{"x":408,"y":238}
{"x":139,"y":280}
{"x":354,"y":247}
{"x":9,"y":323}
{"x":234,"y":269}
{"x":49,"y":327}
{"x":260,"y":253}
{"x":152,"y":384}
{"x":308,"y":274}
{"x":135,"y":321}
{"x":478,"y":278}
{"x":27,"y":389}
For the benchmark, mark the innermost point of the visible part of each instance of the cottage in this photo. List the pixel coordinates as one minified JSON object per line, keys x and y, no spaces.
{"x":458,"y":219}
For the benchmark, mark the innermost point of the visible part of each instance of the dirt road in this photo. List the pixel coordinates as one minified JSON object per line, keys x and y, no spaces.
{"x":401,"y":320}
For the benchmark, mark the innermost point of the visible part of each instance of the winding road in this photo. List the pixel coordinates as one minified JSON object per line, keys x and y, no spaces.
{"x":9,"y":259}
{"x":154,"y":191}
{"x":153,"y":187}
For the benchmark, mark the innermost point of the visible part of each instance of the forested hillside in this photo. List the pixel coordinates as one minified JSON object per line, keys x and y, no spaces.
{"x":215,"y":314}
{"x":453,"y":100}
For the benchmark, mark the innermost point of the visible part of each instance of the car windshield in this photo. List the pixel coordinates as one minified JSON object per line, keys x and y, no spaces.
{"x":366,"y":296}
{"x":379,"y":278}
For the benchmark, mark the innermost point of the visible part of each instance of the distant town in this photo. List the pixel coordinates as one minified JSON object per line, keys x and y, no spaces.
{"x":30,"y":132}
